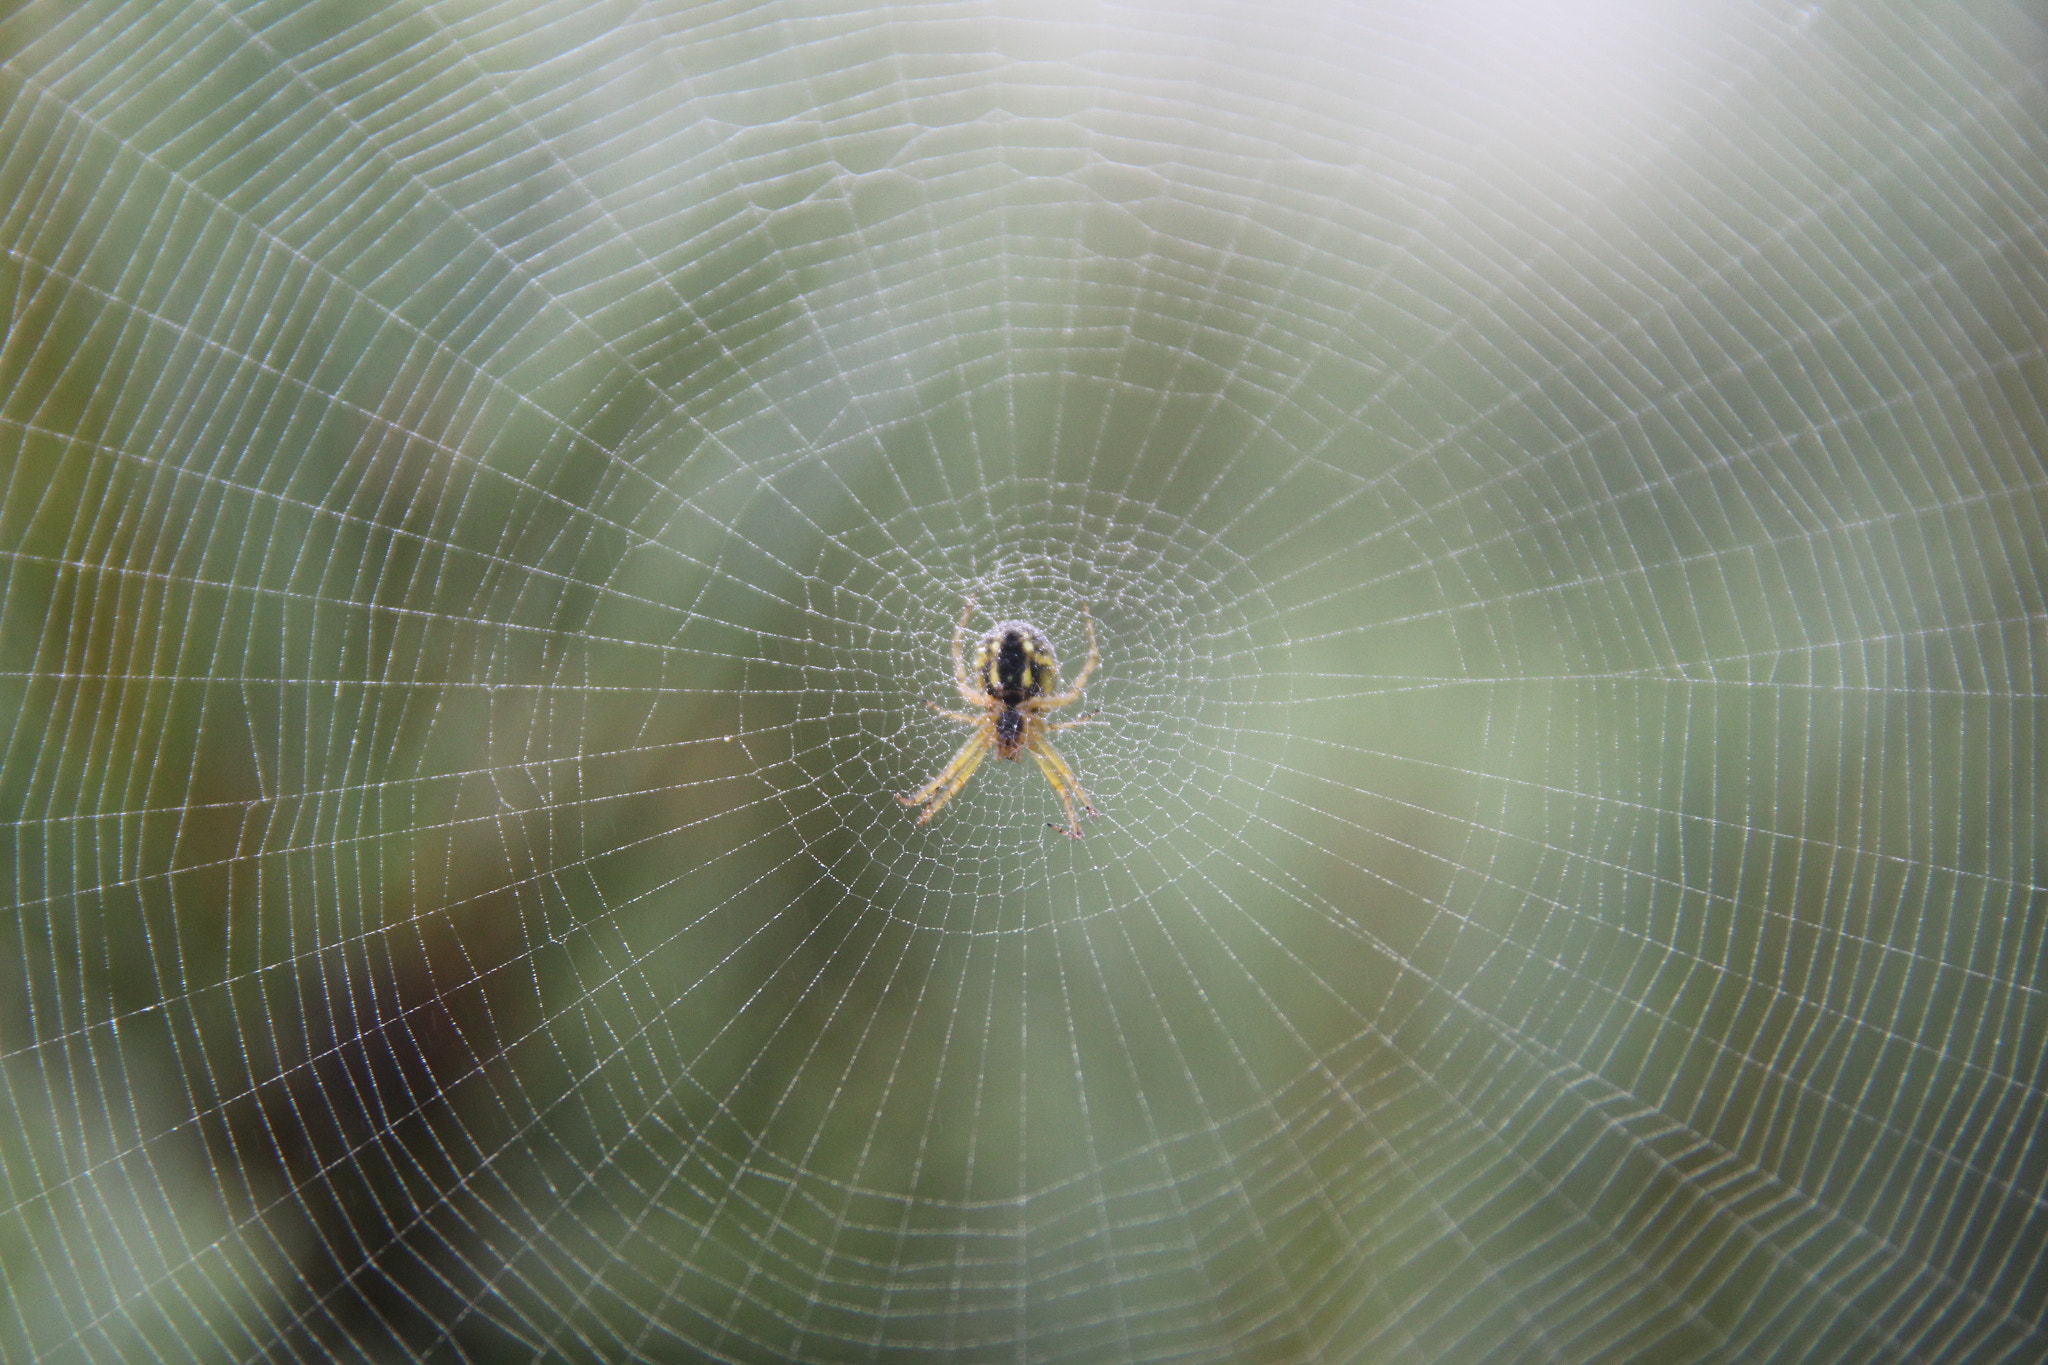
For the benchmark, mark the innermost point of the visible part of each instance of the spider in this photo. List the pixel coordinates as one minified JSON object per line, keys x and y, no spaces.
{"x":1012,"y":682}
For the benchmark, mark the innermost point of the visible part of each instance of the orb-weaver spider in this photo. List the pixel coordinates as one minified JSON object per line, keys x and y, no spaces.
{"x":1012,"y":683}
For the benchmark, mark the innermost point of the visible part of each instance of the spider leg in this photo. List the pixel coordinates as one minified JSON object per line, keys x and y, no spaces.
{"x":1070,"y":724}
{"x":963,"y":717}
{"x":951,"y":778}
{"x":1080,"y":679}
{"x":960,"y":664}
{"x":1064,"y":784}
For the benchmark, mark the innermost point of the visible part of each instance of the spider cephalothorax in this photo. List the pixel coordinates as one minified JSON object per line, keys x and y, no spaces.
{"x":1014,"y":681}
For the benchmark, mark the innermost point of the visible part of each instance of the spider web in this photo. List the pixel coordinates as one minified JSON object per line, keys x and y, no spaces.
{"x":488,"y":493}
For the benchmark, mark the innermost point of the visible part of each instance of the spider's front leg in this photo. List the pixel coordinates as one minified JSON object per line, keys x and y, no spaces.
{"x":952,"y":777}
{"x":1064,"y":784}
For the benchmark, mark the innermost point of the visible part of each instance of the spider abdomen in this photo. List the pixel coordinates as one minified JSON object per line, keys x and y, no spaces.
{"x":1015,"y":663}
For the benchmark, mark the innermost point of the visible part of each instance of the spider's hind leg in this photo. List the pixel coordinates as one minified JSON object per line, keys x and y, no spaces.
{"x":960,"y":682}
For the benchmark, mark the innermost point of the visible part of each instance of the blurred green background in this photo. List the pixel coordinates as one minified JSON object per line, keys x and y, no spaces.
{"x":489,"y":490}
